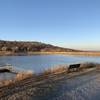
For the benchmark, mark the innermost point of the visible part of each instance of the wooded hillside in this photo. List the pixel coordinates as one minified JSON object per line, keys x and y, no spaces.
{"x":22,"y":46}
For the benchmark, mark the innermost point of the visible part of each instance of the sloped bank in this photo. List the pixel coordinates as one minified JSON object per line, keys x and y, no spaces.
{"x":26,"y":85}
{"x":53,"y":71}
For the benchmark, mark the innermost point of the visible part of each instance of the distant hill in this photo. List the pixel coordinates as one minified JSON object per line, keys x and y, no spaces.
{"x":22,"y":46}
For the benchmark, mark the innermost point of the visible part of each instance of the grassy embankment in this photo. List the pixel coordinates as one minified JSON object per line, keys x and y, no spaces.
{"x":84,"y":53}
{"x":60,"y":69}
{"x":48,"y":78}
{"x":89,"y":53}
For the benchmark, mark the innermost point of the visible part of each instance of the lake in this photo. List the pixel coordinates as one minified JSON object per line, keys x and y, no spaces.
{"x":38,"y":63}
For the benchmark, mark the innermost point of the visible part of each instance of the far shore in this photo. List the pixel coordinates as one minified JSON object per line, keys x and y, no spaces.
{"x":83,"y":53}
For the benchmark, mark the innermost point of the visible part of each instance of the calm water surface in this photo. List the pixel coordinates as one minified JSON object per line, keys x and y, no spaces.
{"x":38,"y":63}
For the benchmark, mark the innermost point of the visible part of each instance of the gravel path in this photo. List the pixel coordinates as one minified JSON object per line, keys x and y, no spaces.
{"x":78,"y":86}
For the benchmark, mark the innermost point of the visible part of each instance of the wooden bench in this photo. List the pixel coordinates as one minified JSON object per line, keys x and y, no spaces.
{"x":74,"y":67}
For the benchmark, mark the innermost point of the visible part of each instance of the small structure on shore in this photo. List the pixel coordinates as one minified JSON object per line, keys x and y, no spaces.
{"x":74,"y":67}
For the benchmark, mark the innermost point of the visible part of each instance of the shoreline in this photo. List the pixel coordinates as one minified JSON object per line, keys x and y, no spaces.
{"x":81,"y":53}
{"x":47,"y":72}
{"x":49,"y":79}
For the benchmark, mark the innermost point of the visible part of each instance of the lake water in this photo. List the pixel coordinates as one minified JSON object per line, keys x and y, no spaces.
{"x":38,"y":63}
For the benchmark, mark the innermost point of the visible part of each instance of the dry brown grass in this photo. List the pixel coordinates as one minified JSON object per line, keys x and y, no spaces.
{"x":85,"y":53}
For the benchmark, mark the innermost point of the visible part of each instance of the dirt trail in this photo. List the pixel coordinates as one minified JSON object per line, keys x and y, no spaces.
{"x":60,"y":86}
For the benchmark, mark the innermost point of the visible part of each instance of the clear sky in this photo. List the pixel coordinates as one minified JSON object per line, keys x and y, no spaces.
{"x":67,"y":23}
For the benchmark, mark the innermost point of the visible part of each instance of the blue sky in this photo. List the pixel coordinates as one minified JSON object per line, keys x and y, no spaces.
{"x":67,"y":23}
